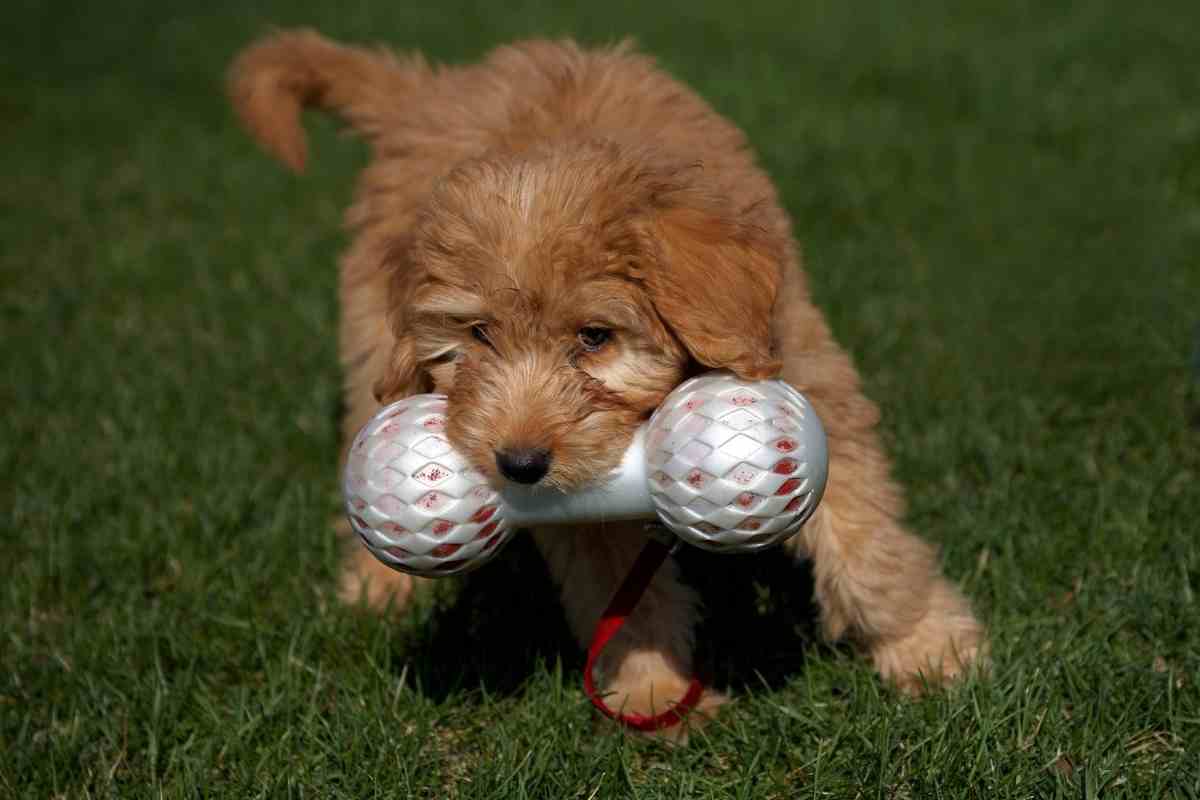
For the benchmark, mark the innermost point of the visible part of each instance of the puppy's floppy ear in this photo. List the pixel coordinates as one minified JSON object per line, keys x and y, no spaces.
{"x":713,"y":279}
{"x":401,"y":374}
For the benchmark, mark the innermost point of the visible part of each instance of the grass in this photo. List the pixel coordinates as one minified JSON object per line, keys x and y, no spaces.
{"x":1000,"y":206}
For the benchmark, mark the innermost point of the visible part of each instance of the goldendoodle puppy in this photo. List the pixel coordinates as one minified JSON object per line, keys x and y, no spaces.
{"x":555,"y":238}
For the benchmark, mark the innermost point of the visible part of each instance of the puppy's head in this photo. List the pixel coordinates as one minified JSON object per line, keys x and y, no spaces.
{"x":557,"y":297}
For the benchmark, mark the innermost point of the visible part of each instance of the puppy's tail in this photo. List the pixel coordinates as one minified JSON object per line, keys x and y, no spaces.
{"x":275,"y":78}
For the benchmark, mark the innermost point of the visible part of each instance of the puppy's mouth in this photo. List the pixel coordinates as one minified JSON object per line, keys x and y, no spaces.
{"x":559,"y":446}
{"x":567,"y":469}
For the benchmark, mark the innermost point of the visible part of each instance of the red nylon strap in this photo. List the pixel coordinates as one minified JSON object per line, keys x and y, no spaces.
{"x":619,"y":609}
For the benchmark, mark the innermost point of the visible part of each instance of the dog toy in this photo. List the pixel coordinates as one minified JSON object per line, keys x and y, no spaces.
{"x":725,"y":464}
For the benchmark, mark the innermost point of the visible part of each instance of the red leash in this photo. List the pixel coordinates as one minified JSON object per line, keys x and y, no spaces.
{"x":619,"y":609}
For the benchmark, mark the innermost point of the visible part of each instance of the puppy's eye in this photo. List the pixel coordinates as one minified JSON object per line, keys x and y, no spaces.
{"x":480,"y":332}
{"x":594,"y":338}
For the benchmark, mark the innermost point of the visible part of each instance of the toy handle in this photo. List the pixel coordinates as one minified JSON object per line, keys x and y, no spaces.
{"x":626,"y":496}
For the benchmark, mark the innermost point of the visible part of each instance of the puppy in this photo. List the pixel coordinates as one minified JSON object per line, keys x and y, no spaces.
{"x":555,"y":238}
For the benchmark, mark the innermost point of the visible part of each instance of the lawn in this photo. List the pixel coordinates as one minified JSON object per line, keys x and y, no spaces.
{"x":1000,"y":208}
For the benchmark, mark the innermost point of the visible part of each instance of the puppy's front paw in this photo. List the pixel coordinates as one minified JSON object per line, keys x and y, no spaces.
{"x":646,"y":685}
{"x":944,"y":645}
{"x":378,"y":585}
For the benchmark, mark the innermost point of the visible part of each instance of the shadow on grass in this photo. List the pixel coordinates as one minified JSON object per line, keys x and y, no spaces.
{"x":758,"y":620}
{"x":491,"y":634}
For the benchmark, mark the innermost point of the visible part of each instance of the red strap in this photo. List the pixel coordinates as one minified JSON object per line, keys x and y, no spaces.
{"x":619,"y":609}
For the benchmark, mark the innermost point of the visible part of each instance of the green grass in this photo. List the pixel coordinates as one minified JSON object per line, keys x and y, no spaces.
{"x":1000,"y":206}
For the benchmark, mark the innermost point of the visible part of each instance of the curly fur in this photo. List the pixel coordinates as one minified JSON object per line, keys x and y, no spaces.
{"x":511,"y":203}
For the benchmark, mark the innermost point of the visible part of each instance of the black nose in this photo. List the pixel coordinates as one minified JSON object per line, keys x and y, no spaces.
{"x":523,"y":466}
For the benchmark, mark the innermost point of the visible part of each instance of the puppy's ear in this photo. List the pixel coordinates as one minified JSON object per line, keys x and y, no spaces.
{"x":401,"y":375}
{"x":713,"y":280}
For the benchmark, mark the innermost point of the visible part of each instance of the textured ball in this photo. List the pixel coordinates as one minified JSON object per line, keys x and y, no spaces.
{"x":416,"y":503}
{"x":725,"y":464}
{"x":735,"y":466}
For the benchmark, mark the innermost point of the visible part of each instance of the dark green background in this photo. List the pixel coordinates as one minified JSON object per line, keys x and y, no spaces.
{"x":1000,"y":207}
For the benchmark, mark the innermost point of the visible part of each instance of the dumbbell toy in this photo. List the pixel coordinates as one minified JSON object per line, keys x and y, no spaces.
{"x":727,"y":465}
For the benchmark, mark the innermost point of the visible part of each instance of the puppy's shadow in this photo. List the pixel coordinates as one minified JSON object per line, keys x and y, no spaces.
{"x":492,"y":630}
{"x":758,"y":617}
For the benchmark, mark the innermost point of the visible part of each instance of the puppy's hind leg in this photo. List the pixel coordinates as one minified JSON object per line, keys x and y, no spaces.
{"x":876,"y":582}
{"x":880,"y":584}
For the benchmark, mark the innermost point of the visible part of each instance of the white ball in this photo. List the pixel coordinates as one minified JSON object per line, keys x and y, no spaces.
{"x":725,"y":464}
{"x":417,"y":504}
{"x":733,"y":465}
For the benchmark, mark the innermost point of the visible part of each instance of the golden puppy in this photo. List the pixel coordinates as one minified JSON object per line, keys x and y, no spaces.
{"x":555,"y":238}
